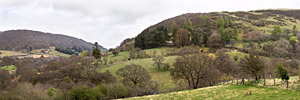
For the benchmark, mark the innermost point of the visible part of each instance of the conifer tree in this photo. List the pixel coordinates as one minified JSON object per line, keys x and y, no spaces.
{"x":96,"y":51}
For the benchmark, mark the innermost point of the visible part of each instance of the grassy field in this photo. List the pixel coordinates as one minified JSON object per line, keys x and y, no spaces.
{"x":10,"y":53}
{"x":226,"y":92}
{"x":34,"y":53}
{"x":162,"y":77}
{"x":9,"y":68}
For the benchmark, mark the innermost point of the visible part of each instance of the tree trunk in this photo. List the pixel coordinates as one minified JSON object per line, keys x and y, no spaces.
{"x":264,"y":81}
{"x":243,"y":81}
{"x":274,"y":81}
{"x":189,"y":83}
{"x":256,"y":79}
{"x":287,"y":84}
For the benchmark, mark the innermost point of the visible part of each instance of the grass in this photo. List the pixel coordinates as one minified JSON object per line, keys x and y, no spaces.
{"x":10,"y":68}
{"x":120,"y":57}
{"x":10,"y":53}
{"x":226,"y":92}
{"x":123,"y":56}
{"x":56,"y":53}
{"x":162,"y":77}
{"x":35,"y":52}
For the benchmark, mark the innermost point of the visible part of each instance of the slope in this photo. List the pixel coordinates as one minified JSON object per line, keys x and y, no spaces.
{"x":226,"y":92}
{"x":27,"y":39}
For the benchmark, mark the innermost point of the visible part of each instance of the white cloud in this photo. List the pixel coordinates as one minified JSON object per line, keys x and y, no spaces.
{"x":111,"y":21}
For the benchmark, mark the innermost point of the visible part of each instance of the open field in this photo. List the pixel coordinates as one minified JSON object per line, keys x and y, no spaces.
{"x":163,"y":77}
{"x":10,"y":53}
{"x":35,"y":53}
{"x":10,"y":68}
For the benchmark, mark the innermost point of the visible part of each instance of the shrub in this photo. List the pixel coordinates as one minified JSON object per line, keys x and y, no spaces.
{"x":55,"y":94}
{"x":26,"y":91}
{"x":82,"y":93}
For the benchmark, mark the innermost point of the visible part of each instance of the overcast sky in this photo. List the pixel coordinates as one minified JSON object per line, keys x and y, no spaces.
{"x":109,"y":22}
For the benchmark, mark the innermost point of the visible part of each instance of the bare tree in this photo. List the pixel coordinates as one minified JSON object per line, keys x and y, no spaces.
{"x":215,"y":41}
{"x":224,"y":64}
{"x":193,"y":69}
{"x":158,"y":61}
{"x":134,"y":74}
{"x":181,"y":38}
{"x":4,"y":79}
{"x":252,"y":64}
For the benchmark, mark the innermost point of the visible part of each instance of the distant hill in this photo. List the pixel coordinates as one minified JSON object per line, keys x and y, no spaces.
{"x":27,"y":39}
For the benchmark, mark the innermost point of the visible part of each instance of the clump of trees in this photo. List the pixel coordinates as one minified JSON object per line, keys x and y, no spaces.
{"x":138,"y":53}
{"x":5,"y":79}
{"x":152,"y":39}
{"x":71,"y":78}
{"x":65,"y":50}
{"x":115,"y":52}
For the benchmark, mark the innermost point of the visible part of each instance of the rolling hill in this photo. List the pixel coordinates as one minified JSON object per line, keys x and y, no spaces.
{"x":18,"y":40}
{"x":246,"y":21}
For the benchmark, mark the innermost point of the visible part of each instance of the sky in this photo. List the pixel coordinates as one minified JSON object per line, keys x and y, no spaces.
{"x":109,"y":22}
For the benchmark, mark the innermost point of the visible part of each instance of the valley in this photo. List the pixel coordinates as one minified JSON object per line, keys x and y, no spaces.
{"x":217,"y":55}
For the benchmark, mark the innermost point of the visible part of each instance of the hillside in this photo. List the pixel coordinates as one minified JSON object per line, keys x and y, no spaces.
{"x":248,"y":23}
{"x":27,"y":39}
{"x":226,"y":92}
{"x":257,"y":19}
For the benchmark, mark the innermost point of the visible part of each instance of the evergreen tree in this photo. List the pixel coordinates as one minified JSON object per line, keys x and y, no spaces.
{"x":195,"y":39}
{"x":205,"y":19}
{"x":282,"y":73}
{"x":235,"y":33}
{"x":276,"y":32}
{"x":228,"y":22}
{"x":185,"y":23}
{"x":173,"y":27}
{"x":96,"y":51}
{"x":295,"y":31}
{"x":164,"y":31}
{"x":221,"y":23}
{"x":30,"y":49}
{"x":159,"y":39}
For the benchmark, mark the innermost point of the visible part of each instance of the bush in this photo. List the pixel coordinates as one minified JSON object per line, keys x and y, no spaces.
{"x":166,"y":66}
{"x":55,"y":94}
{"x":82,"y":93}
{"x":65,"y":50}
{"x":26,"y":91}
{"x":115,"y":52}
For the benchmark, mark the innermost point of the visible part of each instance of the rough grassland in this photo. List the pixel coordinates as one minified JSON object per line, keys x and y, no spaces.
{"x":162,"y":77}
{"x":226,"y":92}
{"x":10,"y":53}
{"x":9,"y":68}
